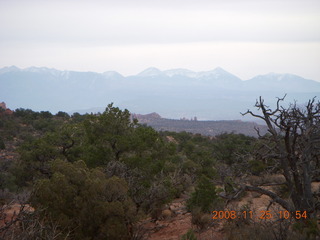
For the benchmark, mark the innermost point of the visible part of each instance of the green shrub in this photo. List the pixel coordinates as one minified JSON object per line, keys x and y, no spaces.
{"x":205,"y":196}
{"x":256,"y":166}
{"x":2,"y":145}
{"x":85,"y":202}
{"x":190,"y":235}
{"x":308,"y":228}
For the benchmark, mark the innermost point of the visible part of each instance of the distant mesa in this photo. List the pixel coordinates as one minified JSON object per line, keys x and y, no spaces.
{"x":146,"y":118}
{"x":208,"y":128}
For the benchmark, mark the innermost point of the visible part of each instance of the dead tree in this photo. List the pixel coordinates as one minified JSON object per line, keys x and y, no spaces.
{"x":294,"y":142}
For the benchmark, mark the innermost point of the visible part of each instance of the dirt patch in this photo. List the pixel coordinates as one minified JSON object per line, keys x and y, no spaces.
{"x":178,"y":224}
{"x":10,"y":212}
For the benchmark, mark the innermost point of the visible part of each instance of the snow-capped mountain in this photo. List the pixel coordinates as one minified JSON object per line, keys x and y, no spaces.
{"x":112,"y":75}
{"x":285,"y":82}
{"x":9,"y":69}
{"x":180,"y":72}
{"x":151,"y":72}
{"x":175,"y":93}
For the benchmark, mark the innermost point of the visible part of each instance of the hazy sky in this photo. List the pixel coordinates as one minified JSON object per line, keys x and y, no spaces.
{"x":247,"y":37}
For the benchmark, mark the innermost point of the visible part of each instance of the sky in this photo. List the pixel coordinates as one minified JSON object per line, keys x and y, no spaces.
{"x":245,"y":37}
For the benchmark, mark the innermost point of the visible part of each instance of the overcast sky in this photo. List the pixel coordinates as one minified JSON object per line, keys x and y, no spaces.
{"x":246,"y":38}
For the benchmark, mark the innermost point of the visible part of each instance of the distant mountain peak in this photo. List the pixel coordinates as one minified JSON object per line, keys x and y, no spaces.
{"x":219,"y":69}
{"x":112,"y":74}
{"x":150,"y":72}
{"x":9,"y":69}
{"x":40,"y":69}
{"x":218,"y":74}
{"x":284,"y":82}
{"x":278,"y":76}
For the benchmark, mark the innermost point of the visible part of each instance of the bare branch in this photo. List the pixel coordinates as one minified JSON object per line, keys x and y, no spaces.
{"x":285,"y":204}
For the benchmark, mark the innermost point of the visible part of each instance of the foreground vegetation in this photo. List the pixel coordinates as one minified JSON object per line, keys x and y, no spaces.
{"x":95,"y":176}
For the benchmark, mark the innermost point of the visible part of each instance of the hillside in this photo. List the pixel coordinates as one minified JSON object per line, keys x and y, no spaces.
{"x":95,"y":170}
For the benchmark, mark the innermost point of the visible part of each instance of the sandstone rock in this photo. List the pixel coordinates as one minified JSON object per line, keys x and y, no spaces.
{"x":166,"y":214}
{"x":3,"y":105}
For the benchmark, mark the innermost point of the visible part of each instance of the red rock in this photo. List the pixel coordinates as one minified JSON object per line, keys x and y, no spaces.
{"x":7,"y":111}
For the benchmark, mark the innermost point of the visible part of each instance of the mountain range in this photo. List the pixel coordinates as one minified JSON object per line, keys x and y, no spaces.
{"x":175,"y":93}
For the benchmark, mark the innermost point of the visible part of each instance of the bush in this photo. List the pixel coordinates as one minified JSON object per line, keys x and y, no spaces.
{"x":230,"y":148}
{"x":2,"y":145}
{"x":243,"y":229}
{"x":200,"y":219}
{"x":85,"y":202}
{"x":189,"y":235}
{"x":308,"y":228}
{"x":62,"y":115}
{"x":256,"y":167}
{"x":205,"y":196}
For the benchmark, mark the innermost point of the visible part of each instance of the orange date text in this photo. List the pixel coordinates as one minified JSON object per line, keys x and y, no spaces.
{"x":262,"y":215}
